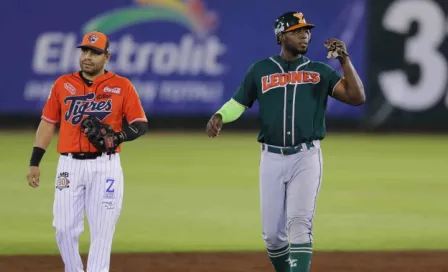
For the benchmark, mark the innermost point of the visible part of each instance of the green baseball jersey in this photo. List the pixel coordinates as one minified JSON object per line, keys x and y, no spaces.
{"x":292,"y":98}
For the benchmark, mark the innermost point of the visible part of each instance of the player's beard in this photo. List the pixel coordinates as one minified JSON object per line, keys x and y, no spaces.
{"x":92,"y":71}
{"x":302,"y":52}
{"x":296,"y":51}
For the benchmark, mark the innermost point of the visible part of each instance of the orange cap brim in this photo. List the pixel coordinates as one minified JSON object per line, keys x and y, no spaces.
{"x":299,"y":26}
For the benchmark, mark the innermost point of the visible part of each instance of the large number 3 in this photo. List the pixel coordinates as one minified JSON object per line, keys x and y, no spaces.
{"x":421,"y":49}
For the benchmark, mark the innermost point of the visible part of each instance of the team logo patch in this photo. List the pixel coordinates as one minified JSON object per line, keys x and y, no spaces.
{"x":294,"y":78}
{"x":82,"y":105}
{"x":292,"y":262}
{"x":70,"y":88}
{"x":280,"y":28}
{"x":62,"y":182}
{"x":299,"y":15}
{"x":114,"y":90}
{"x":92,"y":38}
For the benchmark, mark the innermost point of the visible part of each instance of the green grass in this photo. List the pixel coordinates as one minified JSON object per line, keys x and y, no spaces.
{"x":186,"y":192}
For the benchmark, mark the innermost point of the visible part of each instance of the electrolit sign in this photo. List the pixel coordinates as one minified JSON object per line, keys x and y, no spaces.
{"x":173,"y":68}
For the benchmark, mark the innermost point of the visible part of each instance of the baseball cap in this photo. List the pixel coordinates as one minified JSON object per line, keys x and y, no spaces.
{"x":96,"y":41}
{"x":290,"y":21}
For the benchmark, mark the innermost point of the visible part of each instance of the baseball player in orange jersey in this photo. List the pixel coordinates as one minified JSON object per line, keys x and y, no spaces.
{"x":90,"y":106}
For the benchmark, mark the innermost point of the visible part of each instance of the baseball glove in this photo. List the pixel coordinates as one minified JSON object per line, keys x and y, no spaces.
{"x":102,"y":136}
{"x":335,"y":48}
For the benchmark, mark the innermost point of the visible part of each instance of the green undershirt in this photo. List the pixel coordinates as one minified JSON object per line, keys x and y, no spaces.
{"x":231,"y":111}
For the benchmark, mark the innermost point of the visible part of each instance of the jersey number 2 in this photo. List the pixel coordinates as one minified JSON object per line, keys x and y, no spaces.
{"x":111,"y":183}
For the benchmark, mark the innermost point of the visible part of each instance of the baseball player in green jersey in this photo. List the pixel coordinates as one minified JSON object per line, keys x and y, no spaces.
{"x":292,"y":93}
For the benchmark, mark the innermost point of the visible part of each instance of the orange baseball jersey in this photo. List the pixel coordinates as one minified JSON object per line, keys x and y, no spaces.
{"x":71,"y":100}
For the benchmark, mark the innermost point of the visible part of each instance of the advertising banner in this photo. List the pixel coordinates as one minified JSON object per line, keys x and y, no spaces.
{"x":185,"y":57}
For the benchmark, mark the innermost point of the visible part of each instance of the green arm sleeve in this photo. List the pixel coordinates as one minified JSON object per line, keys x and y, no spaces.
{"x":231,"y":111}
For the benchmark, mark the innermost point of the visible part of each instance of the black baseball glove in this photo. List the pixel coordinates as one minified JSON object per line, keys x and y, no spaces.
{"x":102,"y":136}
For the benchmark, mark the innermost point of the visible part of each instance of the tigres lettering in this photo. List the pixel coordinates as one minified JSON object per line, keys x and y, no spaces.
{"x":84,"y":105}
{"x":282,"y":79}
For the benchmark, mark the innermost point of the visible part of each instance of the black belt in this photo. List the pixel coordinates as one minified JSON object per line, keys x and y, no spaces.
{"x":288,"y":150}
{"x":86,"y":155}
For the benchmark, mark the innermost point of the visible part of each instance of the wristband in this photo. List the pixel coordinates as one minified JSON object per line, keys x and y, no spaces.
{"x":36,"y":156}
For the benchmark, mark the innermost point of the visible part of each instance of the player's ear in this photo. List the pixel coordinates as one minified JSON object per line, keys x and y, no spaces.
{"x":107,"y":55}
{"x":281,"y":38}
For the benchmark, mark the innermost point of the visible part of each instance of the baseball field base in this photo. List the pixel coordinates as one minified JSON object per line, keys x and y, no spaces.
{"x":434,"y":261}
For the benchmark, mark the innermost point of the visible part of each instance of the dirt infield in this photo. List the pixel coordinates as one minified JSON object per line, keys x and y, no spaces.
{"x":243,"y":262}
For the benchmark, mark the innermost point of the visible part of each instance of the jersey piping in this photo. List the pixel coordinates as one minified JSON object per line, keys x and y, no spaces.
{"x":294,"y":104}
{"x":284,"y":103}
